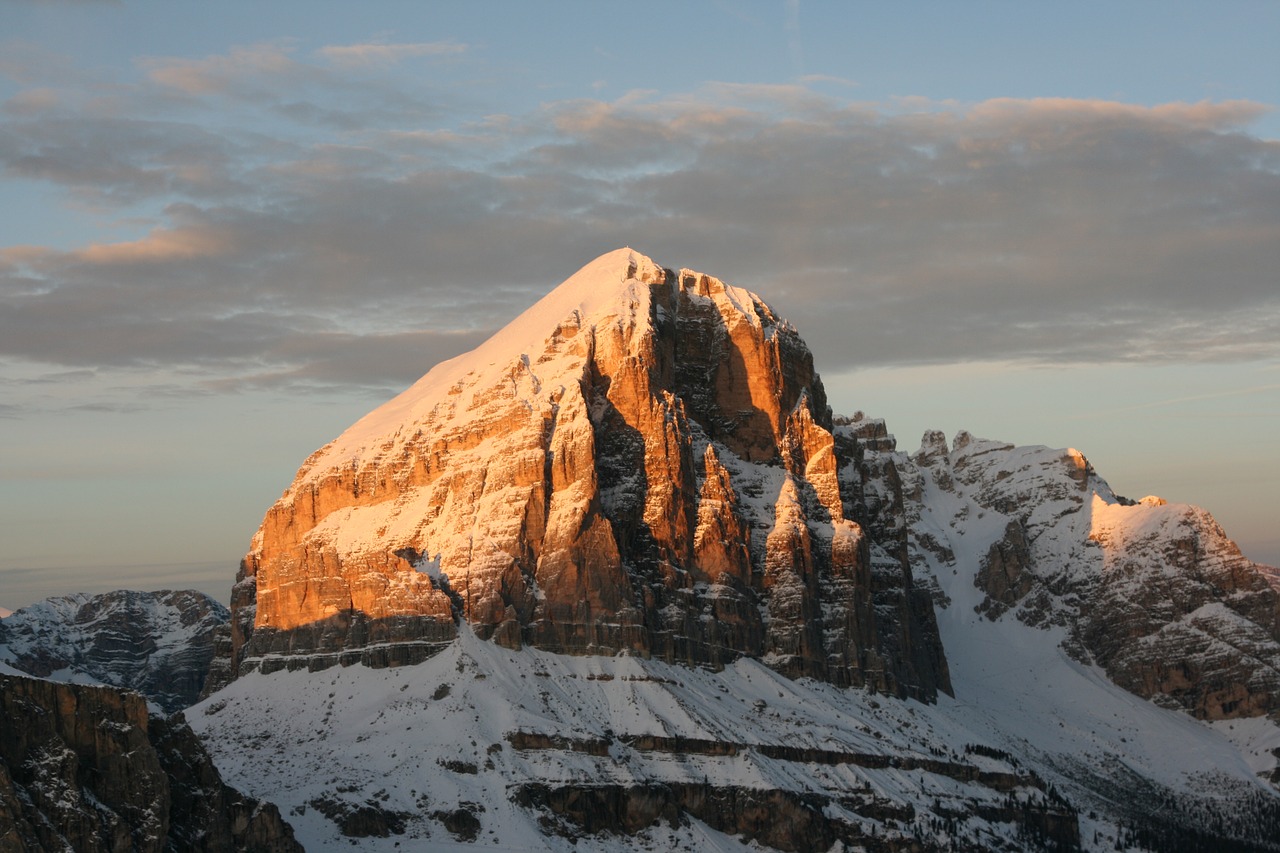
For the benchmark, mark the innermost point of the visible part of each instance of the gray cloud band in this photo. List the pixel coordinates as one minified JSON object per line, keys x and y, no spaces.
{"x":913,"y":233}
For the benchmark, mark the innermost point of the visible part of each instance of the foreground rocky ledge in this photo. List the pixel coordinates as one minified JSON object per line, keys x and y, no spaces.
{"x":85,"y":768}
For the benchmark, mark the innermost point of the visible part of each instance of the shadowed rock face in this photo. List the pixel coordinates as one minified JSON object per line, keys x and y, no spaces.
{"x":643,"y":461}
{"x":1178,"y":614}
{"x":1153,"y":592}
{"x":86,"y":766}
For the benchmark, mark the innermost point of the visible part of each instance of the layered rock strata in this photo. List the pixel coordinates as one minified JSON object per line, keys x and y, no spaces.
{"x":644,"y":461}
{"x":86,"y":769}
{"x":1179,"y":614}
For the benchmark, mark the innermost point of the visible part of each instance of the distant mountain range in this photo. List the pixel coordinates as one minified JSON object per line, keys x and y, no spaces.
{"x":157,"y":643}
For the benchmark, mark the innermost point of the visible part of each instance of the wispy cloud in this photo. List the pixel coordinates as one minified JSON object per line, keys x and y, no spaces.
{"x":222,"y":73}
{"x":1251,"y":391}
{"x":161,"y":245}
{"x":376,"y":54}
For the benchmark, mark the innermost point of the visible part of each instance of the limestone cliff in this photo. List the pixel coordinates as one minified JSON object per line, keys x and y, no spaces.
{"x":644,"y":461}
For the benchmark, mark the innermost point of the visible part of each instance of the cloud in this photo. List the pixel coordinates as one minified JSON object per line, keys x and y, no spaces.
{"x":270,"y":77}
{"x":41,"y":99}
{"x":915,"y":232}
{"x":224,"y":73}
{"x":27,"y":63}
{"x":384,"y":363}
{"x":1218,"y":115}
{"x":161,"y":245}
{"x":365,"y":55}
{"x":112,"y":161}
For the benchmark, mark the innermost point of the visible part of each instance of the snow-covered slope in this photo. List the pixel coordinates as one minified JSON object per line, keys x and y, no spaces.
{"x":157,"y":643}
{"x":529,"y":750}
{"x":642,"y":470}
{"x":1110,"y":662}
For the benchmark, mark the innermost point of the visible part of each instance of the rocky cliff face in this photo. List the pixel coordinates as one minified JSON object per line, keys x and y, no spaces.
{"x":85,"y":768}
{"x":1153,"y":592}
{"x":644,"y":461}
{"x":157,"y":643}
{"x":1179,"y":615}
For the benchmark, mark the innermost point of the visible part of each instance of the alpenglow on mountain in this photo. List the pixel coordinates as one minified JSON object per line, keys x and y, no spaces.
{"x":619,"y":577}
{"x":643,"y":461}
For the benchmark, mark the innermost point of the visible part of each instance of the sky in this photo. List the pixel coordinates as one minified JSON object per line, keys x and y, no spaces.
{"x":229,"y":230}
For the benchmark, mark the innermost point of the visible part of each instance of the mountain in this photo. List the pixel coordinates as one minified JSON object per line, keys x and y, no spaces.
{"x":1154,"y":593}
{"x":655,"y":595}
{"x":86,"y":768}
{"x":642,"y":462}
{"x":157,"y":643}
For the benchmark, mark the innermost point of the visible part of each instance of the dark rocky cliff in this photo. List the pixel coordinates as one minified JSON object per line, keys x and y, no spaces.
{"x":86,"y":769}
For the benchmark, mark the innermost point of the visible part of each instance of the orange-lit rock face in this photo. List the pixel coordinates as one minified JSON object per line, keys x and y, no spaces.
{"x":588,"y":480}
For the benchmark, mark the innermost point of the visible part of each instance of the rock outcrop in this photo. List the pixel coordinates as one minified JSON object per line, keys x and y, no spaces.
{"x":1179,"y":614}
{"x":644,"y":461}
{"x":157,"y":643}
{"x":85,"y":768}
{"x":1154,"y":592}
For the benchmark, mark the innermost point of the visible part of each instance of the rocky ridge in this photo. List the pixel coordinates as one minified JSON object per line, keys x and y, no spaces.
{"x":1153,"y":592}
{"x":160,"y":644}
{"x":643,"y":462}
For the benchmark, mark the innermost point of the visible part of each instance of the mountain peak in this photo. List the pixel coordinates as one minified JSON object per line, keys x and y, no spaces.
{"x":597,"y":288}
{"x":554,"y":488}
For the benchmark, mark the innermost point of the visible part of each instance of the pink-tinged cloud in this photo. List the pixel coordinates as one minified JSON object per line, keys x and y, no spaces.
{"x":160,"y":245}
{"x":923,"y":231}
{"x":215,"y":75}
{"x":369,"y":55}
{"x":1217,"y":115}
{"x":31,"y":102}
{"x":13,"y":257}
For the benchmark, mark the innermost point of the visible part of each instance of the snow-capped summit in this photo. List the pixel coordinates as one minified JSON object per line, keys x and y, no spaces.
{"x":1154,"y":592}
{"x":611,"y":285}
{"x":643,"y":461}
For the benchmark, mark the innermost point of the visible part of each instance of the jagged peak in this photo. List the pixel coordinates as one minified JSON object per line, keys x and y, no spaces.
{"x":933,"y":447}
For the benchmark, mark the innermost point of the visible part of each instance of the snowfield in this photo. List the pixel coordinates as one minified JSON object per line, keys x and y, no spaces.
{"x":419,"y":742}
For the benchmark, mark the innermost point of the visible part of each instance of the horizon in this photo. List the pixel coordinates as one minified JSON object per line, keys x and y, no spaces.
{"x":227,"y":240}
